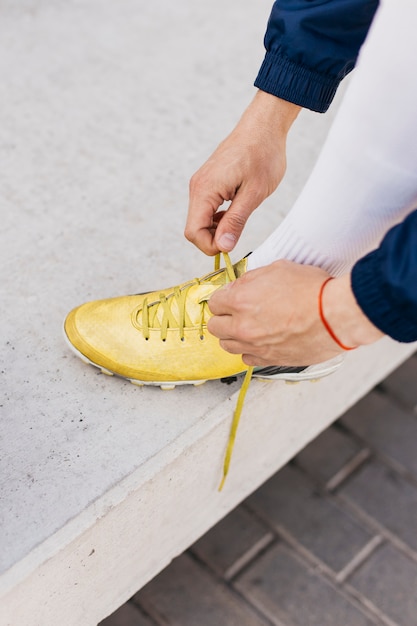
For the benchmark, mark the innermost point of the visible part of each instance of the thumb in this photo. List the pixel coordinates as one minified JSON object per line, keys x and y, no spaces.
{"x":234,"y":219}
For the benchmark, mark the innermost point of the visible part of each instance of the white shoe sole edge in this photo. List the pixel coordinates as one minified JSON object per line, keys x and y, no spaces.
{"x":311,"y":373}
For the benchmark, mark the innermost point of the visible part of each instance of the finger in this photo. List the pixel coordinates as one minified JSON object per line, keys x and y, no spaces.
{"x":208,"y":243}
{"x":232,"y":346}
{"x":220,"y":326}
{"x":201,"y":221}
{"x":234,"y":219}
{"x":219,"y":301}
{"x":240,"y":347}
{"x":253,"y":359}
{"x":203,"y":239}
{"x":217,"y":217}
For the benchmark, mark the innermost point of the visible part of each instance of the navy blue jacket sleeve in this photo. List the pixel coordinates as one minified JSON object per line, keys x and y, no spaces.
{"x":310,"y":47}
{"x":384,"y":282}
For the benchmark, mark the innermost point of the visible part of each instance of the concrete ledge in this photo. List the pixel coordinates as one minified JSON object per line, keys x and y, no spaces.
{"x":94,"y":564}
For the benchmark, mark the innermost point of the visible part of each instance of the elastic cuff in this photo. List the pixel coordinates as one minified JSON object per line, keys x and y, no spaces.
{"x":286,"y":79}
{"x":395,"y":318}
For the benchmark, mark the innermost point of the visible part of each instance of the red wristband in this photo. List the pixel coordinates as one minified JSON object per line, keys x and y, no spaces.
{"x":325,"y":322}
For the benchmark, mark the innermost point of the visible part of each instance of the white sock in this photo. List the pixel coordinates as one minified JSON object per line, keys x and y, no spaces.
{"x":365,"y":179}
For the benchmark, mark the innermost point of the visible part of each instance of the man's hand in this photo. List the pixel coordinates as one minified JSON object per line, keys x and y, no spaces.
{"x":245,"y":169}
{"x":270,"y":315}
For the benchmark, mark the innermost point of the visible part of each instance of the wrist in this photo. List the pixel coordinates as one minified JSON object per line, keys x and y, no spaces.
{"x":345,"y":317}
{"x":272,"y":113}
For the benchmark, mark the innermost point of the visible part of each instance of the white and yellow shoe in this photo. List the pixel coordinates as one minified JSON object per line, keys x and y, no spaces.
{"x":157,"y":338}
{"x":161,"y":338}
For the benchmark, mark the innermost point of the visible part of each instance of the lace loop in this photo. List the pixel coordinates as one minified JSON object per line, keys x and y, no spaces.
{"x":229,"y":267}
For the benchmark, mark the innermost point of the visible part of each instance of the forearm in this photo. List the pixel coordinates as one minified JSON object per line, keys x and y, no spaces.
{"x":364,"y":181}
{"x":380,"y":295}
{"x":384,"y":282}
{"x":273,"y":114}
{"x":344,"y":316}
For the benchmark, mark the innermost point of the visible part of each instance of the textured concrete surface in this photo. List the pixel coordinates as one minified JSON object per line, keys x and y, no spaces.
{"x":276,"y":556}
{"x":95,"y":148}
{"x":107,"y":109}
{"x":106,"y":112}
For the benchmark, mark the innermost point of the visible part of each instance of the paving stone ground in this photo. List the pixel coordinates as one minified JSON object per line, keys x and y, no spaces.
{"x":330,"y":540}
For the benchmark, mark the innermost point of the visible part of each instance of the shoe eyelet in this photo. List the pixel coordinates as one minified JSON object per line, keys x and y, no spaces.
{"x":182,"y":338}
{"x":202,"y":337}
{"x":164,"y":340}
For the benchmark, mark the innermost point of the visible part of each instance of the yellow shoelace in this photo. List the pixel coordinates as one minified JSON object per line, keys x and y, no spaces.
{"x":242,"y":393}
{"x":151,"y":311}
{"x":179,"y":296}
{"x":235,"y":423}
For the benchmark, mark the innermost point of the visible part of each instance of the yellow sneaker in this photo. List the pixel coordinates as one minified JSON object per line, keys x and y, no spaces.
{"x":157,"y":338}
{"x":161,"y":338}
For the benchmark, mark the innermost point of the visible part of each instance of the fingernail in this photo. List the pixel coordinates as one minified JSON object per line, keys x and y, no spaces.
{"x":227,"y":241}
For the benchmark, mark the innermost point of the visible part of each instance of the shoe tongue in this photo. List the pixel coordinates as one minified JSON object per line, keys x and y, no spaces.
{"x":221,"y":277}
{"x":196,"y":295}
{"x":212,"y":282}
{"x":207,"y":290}
{"x":241,"y":266}
{"x":204,"y":291}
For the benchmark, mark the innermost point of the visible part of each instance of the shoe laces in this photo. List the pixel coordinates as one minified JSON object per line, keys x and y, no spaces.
{"x":159,"y":314}
{"x":151,"y":311}
{"x":243,"y":390}
{"x":235,"y":423}
{"x":169,"y":311}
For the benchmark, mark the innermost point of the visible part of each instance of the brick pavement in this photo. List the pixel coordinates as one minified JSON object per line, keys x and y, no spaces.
{"x":330,"y":540}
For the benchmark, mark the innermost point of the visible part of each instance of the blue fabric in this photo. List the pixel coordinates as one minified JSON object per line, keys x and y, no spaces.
{"x":384,"y":282}
{"x":311,"y":45}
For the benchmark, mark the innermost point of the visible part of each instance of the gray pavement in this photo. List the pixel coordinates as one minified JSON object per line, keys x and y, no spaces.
{"x":330,"y":540}
{"x":107,"y":109}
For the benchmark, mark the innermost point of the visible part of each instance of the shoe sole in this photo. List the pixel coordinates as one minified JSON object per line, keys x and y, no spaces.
{"x":139,"y":383}
{"x":310,"y":373}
